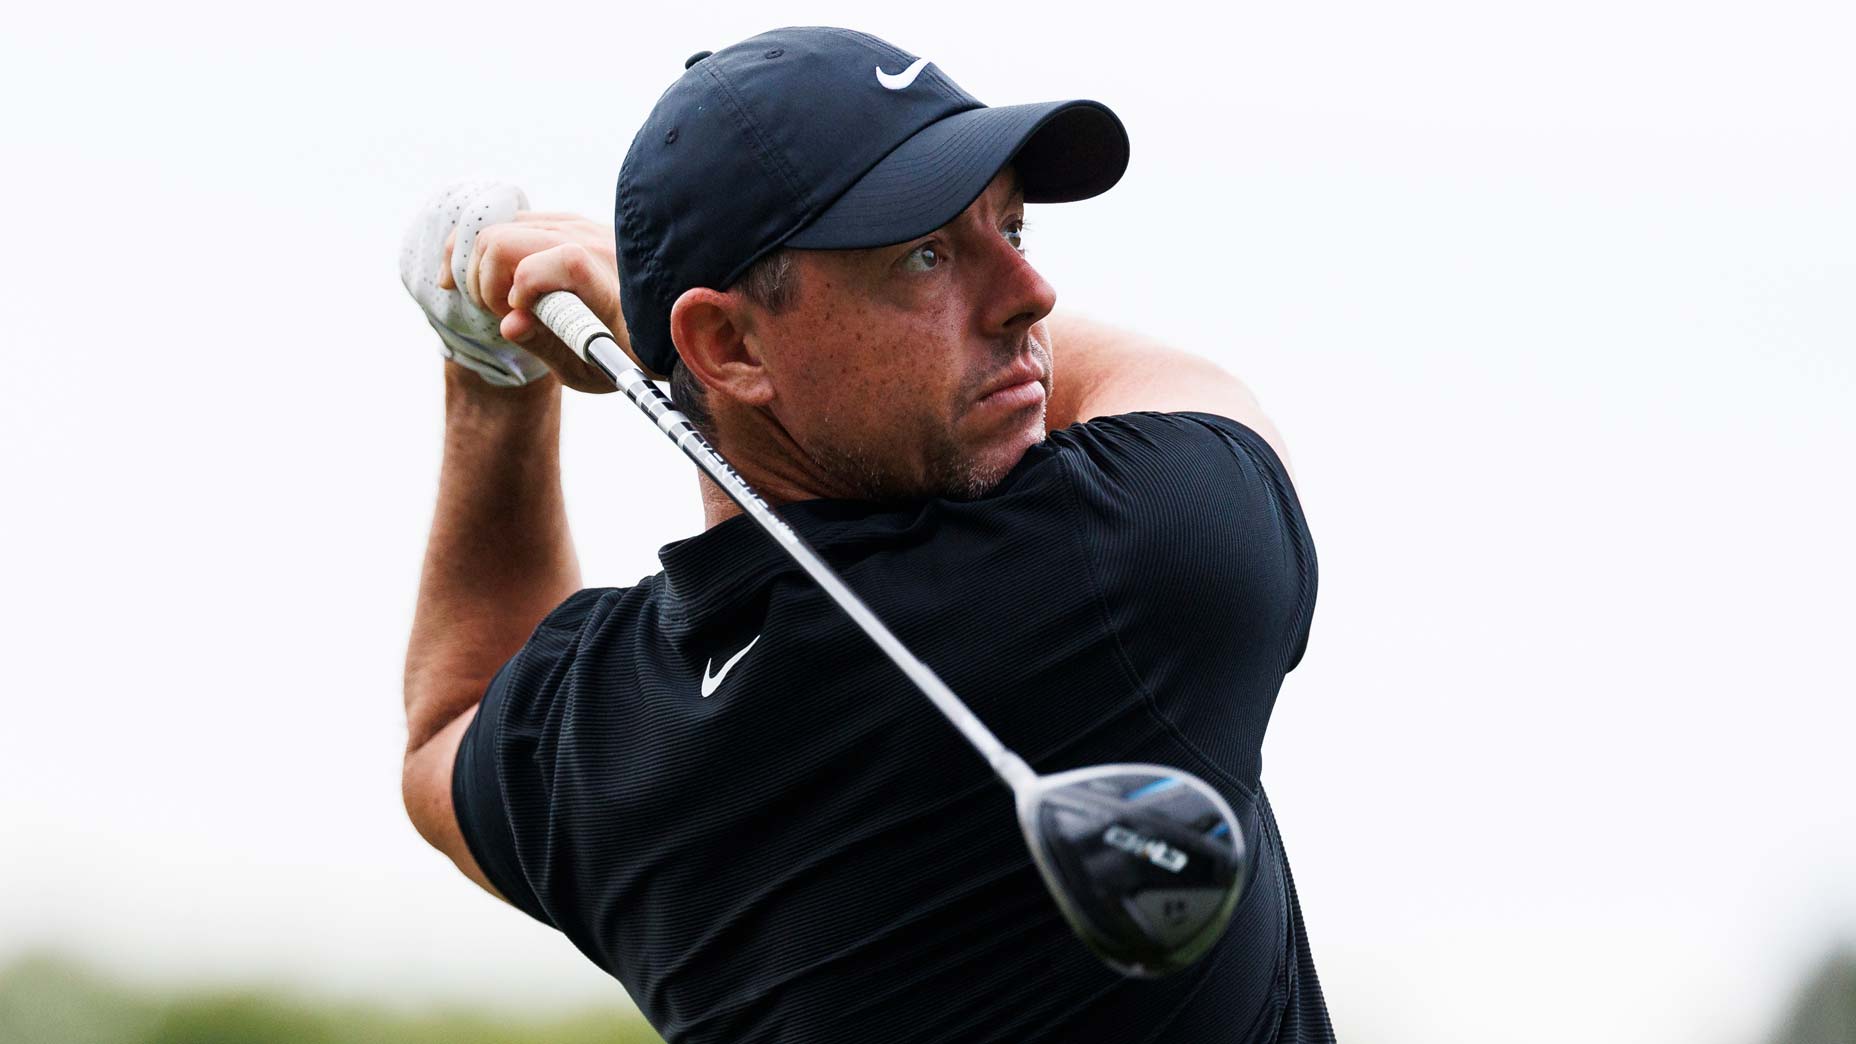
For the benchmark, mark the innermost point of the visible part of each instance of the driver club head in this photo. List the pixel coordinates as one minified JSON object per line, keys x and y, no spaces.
{"x":1146,"y":862}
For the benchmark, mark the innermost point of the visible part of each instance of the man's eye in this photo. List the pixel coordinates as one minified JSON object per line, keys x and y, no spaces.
{"x":1015,"y":235}
{"x":922,"y":258}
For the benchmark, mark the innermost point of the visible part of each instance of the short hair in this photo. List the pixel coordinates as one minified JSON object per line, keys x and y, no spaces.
{"x":771,"y":283}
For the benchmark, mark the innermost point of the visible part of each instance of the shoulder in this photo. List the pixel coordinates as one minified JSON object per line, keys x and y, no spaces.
{"x":1146,"y":445}
{"x":1194,"y":505}
{"x":584,"y":607}
{"x":527,"y":696}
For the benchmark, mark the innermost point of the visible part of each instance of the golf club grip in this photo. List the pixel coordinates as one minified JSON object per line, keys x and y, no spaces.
{"x":572,"y":321}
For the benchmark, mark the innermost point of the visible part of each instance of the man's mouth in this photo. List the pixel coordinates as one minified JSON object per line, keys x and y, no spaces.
{"x":1027,"y":370}
{"x":1018,"y":388}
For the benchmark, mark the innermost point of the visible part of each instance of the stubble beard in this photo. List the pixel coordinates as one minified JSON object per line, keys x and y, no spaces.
{"x":949,"y":471}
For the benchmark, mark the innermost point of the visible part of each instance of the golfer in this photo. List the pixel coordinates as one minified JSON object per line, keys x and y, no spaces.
{"x":711,"y":781}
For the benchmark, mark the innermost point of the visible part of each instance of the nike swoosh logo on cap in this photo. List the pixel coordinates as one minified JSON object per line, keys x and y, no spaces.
{"x":711,"y":682}
{"x":900,"y":81}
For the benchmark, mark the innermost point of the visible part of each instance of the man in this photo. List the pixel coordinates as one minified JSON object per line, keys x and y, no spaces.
{"x":711,"y":782}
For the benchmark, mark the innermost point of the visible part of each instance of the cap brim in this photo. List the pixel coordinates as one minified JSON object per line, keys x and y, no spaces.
{"x":1064,"y":151}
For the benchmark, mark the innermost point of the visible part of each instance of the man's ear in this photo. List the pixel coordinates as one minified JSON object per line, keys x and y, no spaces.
{"x":711,"y":330}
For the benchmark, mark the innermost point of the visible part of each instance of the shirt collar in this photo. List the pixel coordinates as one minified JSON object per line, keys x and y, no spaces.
{"x":712,"y":571}
{"x":707,"y":573}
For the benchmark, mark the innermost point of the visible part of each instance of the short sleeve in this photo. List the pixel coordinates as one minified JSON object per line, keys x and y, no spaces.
{"x":1203,"y":563}
{"x":495,"y":742}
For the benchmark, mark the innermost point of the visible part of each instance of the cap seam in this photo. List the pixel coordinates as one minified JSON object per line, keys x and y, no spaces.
{"x":630,"y":221}
{"x":652,"y":275}
{"x":768,"y":157}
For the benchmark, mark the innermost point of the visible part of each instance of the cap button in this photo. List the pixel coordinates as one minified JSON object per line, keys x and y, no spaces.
{"x":697,"y":57}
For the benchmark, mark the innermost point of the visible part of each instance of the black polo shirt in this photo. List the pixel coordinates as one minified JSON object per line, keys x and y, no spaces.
{"x":716,"y":786}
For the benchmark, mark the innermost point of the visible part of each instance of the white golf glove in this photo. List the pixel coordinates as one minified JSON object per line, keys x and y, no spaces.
{"x":467,"y":329}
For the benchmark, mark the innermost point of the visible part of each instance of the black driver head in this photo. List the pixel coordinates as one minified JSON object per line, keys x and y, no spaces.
{"x":1146,"y":862}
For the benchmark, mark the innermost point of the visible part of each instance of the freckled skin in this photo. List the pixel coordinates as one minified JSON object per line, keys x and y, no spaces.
{"x":867,"y":382}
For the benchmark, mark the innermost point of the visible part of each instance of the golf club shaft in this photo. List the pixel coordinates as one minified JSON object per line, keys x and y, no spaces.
{"x":574,"y":323}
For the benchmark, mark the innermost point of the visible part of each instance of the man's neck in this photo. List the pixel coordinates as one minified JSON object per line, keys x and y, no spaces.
{"x":769,"y":461}
{"x":772,"y":486}
{"x":717,"y":508}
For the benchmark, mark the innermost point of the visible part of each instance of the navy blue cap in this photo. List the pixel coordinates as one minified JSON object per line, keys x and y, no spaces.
{"x":823,"y":139}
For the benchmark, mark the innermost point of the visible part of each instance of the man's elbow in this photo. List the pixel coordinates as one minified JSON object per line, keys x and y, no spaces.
{"x":434,"y":728}
{"x":437,"y":693}
{"x":425,"y":788}
{"x":424,"y":792}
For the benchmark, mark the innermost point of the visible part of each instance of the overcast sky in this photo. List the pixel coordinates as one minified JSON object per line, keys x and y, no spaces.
{"x":1553,"y":305}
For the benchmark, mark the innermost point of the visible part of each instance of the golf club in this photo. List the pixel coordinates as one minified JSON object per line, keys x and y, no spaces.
{"x":1145,"y":862}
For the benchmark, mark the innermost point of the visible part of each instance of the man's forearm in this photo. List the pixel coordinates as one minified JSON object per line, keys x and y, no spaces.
{"x":499,"y":556}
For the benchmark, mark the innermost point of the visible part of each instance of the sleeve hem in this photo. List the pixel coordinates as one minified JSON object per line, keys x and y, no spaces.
{"x":458,"y":803}
{"x":465,"y":809}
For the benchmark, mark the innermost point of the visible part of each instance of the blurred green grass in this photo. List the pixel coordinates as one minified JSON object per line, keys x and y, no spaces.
{"x":47,"y":1000}
{"x":1824,"y":1010}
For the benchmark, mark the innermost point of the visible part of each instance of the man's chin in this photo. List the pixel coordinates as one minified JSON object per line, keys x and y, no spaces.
{"x":980,"y":473}
{"x":953,"y":469}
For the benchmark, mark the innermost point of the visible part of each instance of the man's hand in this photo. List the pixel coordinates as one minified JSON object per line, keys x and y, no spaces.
{"x":467,"y":332}
{"x":511,"y":265}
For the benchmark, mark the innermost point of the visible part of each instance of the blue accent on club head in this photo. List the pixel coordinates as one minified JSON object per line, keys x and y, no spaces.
{"x":1151,"y":788}
{"x":1219,"y":831}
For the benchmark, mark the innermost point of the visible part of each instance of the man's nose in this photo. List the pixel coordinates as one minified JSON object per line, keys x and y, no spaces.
{"x":1017,"y":296}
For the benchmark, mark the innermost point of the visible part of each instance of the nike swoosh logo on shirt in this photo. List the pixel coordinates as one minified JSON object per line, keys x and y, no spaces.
{"x":710,"y":682}
{"x":900,"y":81}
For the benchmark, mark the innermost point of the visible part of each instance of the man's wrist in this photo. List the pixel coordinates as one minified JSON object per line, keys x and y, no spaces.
{"x":519,"y":422}
{"x":467,"y":392}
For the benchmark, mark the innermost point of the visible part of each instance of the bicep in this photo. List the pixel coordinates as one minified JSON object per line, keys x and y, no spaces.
{"x":425,"y":785}
{"x":1096,"y":379}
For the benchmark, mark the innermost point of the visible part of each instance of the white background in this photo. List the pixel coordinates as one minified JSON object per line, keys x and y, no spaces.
{"x":1553,"y":304}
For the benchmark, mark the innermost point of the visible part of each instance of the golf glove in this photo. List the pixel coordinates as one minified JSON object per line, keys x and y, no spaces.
{"x":467,"y":329}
